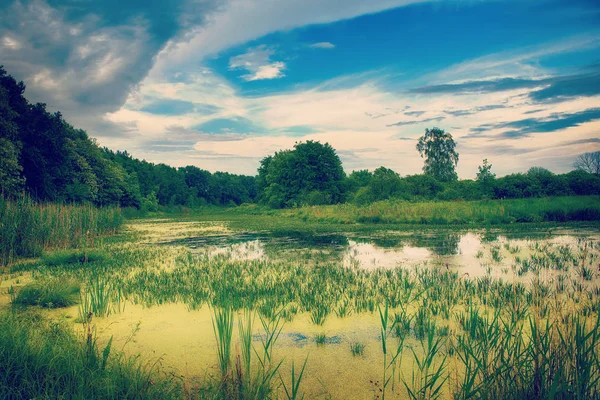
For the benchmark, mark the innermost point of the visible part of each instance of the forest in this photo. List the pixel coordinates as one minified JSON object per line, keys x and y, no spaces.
{"x":45,"y":157}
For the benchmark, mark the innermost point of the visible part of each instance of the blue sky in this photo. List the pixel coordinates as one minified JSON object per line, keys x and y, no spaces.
{"x":222,"y":83}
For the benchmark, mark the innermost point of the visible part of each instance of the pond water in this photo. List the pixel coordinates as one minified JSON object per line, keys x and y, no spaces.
{"x":474,"y":253}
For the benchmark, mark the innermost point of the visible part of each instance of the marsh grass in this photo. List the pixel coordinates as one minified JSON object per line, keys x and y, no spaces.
{"x":73,"y":256}
{"x":320,"y":339}
{"x":357,"y":349}
{"x":28,"y":228}
{"x":43,"y":359}
{"x":247,"y":379}
{"x":580,"y":208}
{"x":222,"y":320}
{"x":48,"y":292}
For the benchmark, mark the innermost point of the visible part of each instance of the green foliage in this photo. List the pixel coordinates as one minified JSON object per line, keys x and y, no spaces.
{"x":28,"y":228}
{"x":441,"y":158}
{"x":41,"y":359}
{"x":453,"y":212}
{"x":311,"y":174}
{"x":11,"y":181}
{"x":50,"y":293}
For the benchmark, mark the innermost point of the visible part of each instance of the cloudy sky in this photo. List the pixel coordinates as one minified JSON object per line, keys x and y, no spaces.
{"x":221,"y":84}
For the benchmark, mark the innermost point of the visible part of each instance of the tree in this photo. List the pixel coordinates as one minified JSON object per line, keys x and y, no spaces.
{"x":11,"y":181}
{"x":311,"y":173}
{"x":485,"y":173}
{"x":486,"y":177}
{"x":588,"y":162}
{"x":441,"y":158}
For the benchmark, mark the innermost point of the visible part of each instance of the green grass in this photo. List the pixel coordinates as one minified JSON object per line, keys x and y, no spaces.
{"x":492,"y":212}
{"x":357,"y":349}
{"x":40,"y":359}
{"x":49,"y":293}
{"x":28,"y":228}
{"x":73,"y":256}
{"x":320,"y":338}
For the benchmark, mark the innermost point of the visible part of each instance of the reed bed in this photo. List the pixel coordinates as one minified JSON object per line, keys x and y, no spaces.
{"x":559,"y":209}
{"x":28,"y":228}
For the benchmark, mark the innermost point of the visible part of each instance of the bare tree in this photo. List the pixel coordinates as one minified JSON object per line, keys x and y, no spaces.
{"x":588,"y":162}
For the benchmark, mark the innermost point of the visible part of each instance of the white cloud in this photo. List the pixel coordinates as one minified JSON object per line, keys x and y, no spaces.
{"x":10,"y":43}
{"x":240,"y":21}
{"x":322,"y":45}
{"x":257,"y":61}
{"x":516,"y":63}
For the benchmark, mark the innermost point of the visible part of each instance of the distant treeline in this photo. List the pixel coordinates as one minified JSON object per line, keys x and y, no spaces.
{"x":366,"y":187}
{"x":43,"y":156}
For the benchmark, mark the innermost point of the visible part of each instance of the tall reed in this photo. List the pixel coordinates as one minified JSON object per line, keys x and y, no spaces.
{"x":28,"y":228}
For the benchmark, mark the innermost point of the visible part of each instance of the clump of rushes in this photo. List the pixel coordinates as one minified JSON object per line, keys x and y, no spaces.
{"x":357,"y":349}
{"x":49,"y":293}
{"x":66,"y":257}
{"x":320,"y":338}
{"x":388,"y":362}
{"x":428,"y":377}
{"x":222,"y":320}
{"x":100,"y":298}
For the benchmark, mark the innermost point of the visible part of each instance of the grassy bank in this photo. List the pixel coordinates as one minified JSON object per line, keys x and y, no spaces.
{"x":486,"y":212}
{"x":40,"y":359}
{"x":27,"y":228}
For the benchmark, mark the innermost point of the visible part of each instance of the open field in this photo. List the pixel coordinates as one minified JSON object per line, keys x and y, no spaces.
{"x":215,"y":311}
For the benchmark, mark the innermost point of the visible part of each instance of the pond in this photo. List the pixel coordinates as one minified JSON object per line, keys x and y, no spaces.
{"x":325,"y":291}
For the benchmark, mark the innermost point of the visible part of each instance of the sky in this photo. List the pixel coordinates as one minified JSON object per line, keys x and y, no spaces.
{"x":220,"y":84}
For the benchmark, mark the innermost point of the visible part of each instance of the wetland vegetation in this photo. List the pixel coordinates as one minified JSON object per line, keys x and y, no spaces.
{"x":481,"y":313}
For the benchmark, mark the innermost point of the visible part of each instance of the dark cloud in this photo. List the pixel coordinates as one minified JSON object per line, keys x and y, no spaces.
{"x":581,"y":141}
{"x":552,"y":123}
{"x":403,"y":123}
{"x":534,"y":111}
{"x":176,"y":132}
{"x":414,"y":113}
{"x":553,"y":89}
{"x":458,"y":113}
{"x":497,"y":85}
{"x":178,"y":107}
{"x":85,"y":57}
{"x":568,"y":87}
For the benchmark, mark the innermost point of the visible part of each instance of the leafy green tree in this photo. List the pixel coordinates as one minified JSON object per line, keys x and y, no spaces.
{"x":310,"y":173}
{"x":486,"y":177}
{"x":385,"y":183}
{"x":11,"y":182}
{"x":439,"y":150}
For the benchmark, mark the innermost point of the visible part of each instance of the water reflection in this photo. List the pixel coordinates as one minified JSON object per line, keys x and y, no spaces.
{"x":471,"y":252}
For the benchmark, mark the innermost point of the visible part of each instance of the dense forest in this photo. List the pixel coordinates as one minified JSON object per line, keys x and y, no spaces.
{"x":45,"y":157}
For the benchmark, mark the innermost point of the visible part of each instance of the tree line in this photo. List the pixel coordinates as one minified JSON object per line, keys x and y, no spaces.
{"x":50,"y":160}
{"x":45,"y":157}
